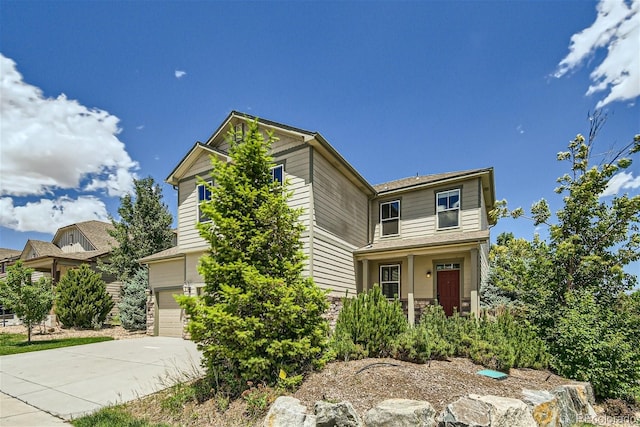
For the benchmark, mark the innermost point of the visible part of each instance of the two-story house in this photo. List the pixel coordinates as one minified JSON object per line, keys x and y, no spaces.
{"x":395,"y":234}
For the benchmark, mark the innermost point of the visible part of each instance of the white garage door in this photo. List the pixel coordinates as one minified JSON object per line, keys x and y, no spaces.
{"x":169,"y":314}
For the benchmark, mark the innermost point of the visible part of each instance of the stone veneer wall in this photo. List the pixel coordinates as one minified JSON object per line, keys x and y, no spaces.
{"x":151,"y":305}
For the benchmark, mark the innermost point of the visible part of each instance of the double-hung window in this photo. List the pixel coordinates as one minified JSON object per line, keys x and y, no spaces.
{"x":390,"y":280}
{"x":390,"y":218}
{"x":448,"y":204}
{"x":204,"y":195}
{"x":277,"y":173}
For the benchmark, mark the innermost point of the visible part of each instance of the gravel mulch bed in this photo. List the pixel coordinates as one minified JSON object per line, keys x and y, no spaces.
{"x":49,"y":333}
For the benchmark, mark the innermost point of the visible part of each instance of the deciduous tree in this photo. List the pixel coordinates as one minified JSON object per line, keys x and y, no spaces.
{"x":30,"y":301}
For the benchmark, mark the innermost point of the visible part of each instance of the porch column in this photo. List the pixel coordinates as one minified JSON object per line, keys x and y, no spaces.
{"x":475,"y":283}
{"x":410,"y":303}
{"x":365,"y":275}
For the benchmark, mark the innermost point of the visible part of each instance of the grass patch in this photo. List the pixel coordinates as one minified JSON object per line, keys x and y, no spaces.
{"x":113,"y":417}
{"x":17,"y":343}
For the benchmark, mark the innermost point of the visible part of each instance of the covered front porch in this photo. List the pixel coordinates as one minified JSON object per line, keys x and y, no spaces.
{"x":449,"y":275}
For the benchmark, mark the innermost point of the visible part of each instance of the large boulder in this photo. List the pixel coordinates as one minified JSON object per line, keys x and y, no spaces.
{"x":401,"y":413}
{"x":287,"y":411}
{"x":544,"y":407}
{"x":466,"y":412}
{"x":336,"y":415}
{"x":507,"y":412}
{"x":575,"y":403}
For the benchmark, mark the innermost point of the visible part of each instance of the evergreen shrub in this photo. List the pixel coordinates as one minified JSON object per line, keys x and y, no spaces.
{"x":371,"y":322}
{"x":133,"y":305}
{"x":82,"y":300}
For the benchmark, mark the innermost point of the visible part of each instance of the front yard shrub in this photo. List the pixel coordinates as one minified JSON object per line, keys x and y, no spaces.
{"x":82,"y":300}
{"x":132,"y":306}
{"x":371,"y":321}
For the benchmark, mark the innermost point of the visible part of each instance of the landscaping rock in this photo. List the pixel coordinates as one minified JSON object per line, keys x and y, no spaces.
{"x":507,"y":412}
{"x":287,"y":411}
{"x":401,"y":413}
{"x":336,"y":415}
{"x":544,"y":407}
{"x":575,"y":403}
{"x":466,"y":412}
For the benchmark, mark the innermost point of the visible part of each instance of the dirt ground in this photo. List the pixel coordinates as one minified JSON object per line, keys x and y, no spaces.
{"x":40,"y":333}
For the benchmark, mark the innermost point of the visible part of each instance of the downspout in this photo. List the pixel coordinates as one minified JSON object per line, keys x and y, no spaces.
{"x":311,"y":211}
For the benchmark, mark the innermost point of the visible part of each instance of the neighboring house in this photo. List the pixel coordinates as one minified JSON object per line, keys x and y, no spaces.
{"x":76,"y":244}
{"x":355,"y":234}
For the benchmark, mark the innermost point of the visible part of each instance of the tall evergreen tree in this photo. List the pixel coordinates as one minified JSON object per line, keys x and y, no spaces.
{"x":144,"y":228}
{"x":259,"y":318}
{"x":30,"y":301}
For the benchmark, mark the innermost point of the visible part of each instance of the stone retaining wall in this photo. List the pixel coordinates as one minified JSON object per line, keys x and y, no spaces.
{"x":563,"y":407}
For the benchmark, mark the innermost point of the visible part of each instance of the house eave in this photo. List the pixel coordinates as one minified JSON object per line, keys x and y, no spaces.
{"x":178,"y":172}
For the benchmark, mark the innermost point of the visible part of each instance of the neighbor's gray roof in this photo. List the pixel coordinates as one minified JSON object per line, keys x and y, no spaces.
{"x":97,"y":232}
{"x":42,"y":248}
{"x":9,"y":253}
{"x":415,"y":181}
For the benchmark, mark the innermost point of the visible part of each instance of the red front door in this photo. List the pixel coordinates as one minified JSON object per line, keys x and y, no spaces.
{"x":449,"y":290}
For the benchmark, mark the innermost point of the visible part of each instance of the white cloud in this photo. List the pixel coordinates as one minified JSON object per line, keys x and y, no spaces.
{"x":617,"y":27}
{"x":621,"y":181}
{"x":54,"y":145}
{"x":46,"y":216}
{"x":50,"y":144}
{"x":179,"y":74}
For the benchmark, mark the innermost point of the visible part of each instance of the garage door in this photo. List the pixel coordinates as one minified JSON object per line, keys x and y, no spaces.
{"x":169,"y":314}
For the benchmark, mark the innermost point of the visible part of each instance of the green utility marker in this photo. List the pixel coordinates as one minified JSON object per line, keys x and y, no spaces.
{"x":493,"y":374}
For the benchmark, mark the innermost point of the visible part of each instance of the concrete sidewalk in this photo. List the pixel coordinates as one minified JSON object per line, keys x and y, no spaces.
{"x":73,"y":381}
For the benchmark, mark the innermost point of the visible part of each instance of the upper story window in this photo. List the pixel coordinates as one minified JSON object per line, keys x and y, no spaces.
{"x":390,"y":280}
{"x":238,"y":132}
{"x":390,"y":218}
{"x":277,"y":173}
{"x":448,"y":204}
{"x":204,"y":194}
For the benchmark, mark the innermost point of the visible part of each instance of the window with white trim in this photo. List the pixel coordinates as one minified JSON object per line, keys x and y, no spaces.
{"x":277,"y":173}
{"x":204,"y":195}
{"x":390,"y":280}
{"x":448,"y":207}
{"x":390,"y":218}
{"x":238,"y":132}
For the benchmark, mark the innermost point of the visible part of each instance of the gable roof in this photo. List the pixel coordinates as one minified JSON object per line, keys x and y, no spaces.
{"x":97,"y":232}
{"x":313,"y":138}
{"x":41,"y":249}
{"x":187,"y":161}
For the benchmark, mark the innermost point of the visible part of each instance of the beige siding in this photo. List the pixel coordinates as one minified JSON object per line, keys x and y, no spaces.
{"x":188,"y":235}
{"x":340,"y":207}
{"x":192,"y":261}
{"x":418,"y":214}
{"x":166,"y":274}
{"x":333,"y":264}
{"x":296,"y":170}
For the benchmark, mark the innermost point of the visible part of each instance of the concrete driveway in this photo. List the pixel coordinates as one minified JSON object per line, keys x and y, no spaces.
{"x":74,"y":381}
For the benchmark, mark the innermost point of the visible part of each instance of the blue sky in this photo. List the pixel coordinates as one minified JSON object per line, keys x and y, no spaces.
{"x":97,"y":93}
